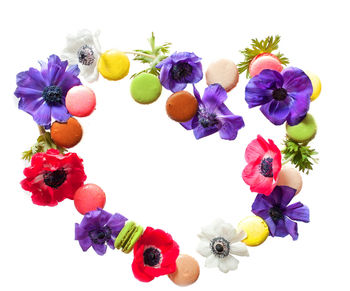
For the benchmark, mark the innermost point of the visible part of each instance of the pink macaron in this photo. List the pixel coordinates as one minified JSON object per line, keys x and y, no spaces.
{"x":89,"y":197}
{"x":264,"y":61}
{"x":80,"y":101}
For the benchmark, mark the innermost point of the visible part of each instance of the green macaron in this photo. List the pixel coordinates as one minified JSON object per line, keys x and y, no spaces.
{"x":145,"y":88}
{"x":303,"y":132}
{"x":128,"y":236}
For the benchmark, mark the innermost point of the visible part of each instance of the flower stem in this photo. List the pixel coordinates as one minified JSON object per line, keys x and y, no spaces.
{"x":140,"y":54}
{"x":41,"y":130}
{"x":288,"y":160}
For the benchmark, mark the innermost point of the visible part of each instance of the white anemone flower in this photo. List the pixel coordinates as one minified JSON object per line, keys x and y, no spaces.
{"x":219,"y":242}
{"x":83,"y":49}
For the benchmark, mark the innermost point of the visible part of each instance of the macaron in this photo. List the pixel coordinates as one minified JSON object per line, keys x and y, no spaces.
{"x":128,"y":236}
{"x":256,"y":229}
{"x":89,"y":197}
{"x":145,"y":88}
{"x":223,"y":72}
{"x":80,"y":101}
{"x":67,"y":134}
{"x":316,"y":85}
{"x":113,"y":65}
{"x":181,"y":106}
{"x":264,"y":61}
{"x":303,"y":132}
{"x":187,"y":271}
{"x":289,"y":176}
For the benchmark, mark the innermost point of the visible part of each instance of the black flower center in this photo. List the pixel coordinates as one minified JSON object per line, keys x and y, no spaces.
{"x":205,"y":118}
{"x":100,"y":236}
{"x":151,"y":256}
{"x":220,"y":247}
{"x":276,"y":213}
{"x":181,"y":71}
{"x":280,"y":94}
{"x":86,"y":55}
{"x":266,"y":167}
{"x":56,"y":178}
{"x":52,"y":95}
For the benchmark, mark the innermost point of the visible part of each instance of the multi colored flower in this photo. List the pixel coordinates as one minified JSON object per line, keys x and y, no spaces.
{"x":99,"y":229}
{"x":219,"y":242}
{"x":213,"y":115}
{"x":264,"y":164}
{"x":278,"y":215}
{"x":83,"y":49}
{"x":180,"y":69}
{"x":155,"y":254}
{"x":43,"y":93}
{"x":284,"y":96}
{"x":53,"y":177}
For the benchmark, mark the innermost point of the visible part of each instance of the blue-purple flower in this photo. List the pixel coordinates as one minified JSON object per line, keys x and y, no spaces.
{"x":99,"y":229}
{"x":213,"y":115}
{"x":284,"y":96}
{"x":180,"y":69}
{"x":43,"y":93}
{"x":278,"y":215}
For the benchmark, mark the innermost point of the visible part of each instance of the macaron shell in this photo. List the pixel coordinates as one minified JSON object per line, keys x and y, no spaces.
{"x":124,"y":234}
{"x":263,"y":63}
{"x":136,"y":234}
{"x":80,"y":101}
{"x":290,"y":177}
{"x":256,"y":229}
{"x":181,"y":106}
{"x":223,"y":72}
{"x":67,"y":134}
{"x":303,"y":132}
{"x":113,"y":65}
{"x":145,"y":88}
{"x":187,"y":271}
{"x":89,"y":197}
{"x":316,"y":85}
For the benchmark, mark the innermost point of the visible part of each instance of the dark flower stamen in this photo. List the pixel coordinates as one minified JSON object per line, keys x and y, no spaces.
{"x":181,"y":71}
{"x":205,"y":118}
{"x":280,"y":94}
{"x":100,"y":236}
{"x":220,"y":247}
{"x":86,"y":55}
{"x":276,"y":213}
{"x":55,"y":179}
{"x":52,"y":95}
{"x":266,"y":167}
{"x":151,"y":257}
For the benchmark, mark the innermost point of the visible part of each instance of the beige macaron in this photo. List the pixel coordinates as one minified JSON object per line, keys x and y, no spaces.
{"x":187,"y":271}
{"x":223,"y":72}
{"x":290,"y":177}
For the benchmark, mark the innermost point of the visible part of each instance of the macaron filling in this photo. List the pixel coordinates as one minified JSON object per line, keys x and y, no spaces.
{"x":100,"y":236}
{"x":279,"y":94}
{"x":152,"y":257}
{"x":266,"y":167}
{"x":56,"y":178}
{"x":220,"y":247}
{"x":52,"y":95}
{"x":181,"y":71}
{"x":205,"y":118}
{"x":86,"y":55}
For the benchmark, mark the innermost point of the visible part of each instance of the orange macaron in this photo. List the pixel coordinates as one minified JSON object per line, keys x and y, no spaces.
{"x":67,"y":134}
{"x":181,"y":106}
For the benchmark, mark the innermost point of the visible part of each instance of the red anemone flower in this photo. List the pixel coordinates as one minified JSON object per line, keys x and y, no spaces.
{"x":155,"y":254}
{"x":52,"y":177}
{"x":264,"y":164}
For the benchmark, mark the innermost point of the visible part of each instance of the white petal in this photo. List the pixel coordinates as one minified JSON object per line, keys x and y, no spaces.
{"x":212,"y":230}
{"x":227,"y":231}
{"x":239,"y":249}
{"x":228,"y":263}
{"x":204,"y":248}
{"x":92,"y":77}
{"x":241,"y":235}
{"x":212,"y":261}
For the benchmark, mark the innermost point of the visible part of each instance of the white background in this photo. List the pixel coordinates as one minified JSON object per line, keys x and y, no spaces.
{"x":155,"y":172}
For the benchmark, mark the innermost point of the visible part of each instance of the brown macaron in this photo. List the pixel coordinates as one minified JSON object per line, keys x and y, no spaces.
{"x":187,"y":271}
{"x":181,"y":106}
{"x":67,"y":134}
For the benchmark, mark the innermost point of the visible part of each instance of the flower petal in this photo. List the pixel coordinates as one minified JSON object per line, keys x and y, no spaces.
{"x":212,"y":261}
{"x":85,"y":243}
{"x":298,"y":212}
{"x":99,"y":249}
{"x":228,"y":263}
{"x":277,"y":111}
{"x":200,"y":132}
{"x":292,"y":228}
{"x":230,"y":126}
{"x":60,"y":113}
{"x":239,"y":249}
{"x":214,"y":95}
{"x":203,"y":248}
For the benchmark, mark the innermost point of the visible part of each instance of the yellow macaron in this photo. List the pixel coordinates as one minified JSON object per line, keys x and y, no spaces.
{"x":256,"y":229}
{"x":113,"y":65}
{"x":316,"y":85}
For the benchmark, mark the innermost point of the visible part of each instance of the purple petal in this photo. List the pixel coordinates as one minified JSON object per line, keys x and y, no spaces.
{"x":42,"y":115}
{"x":25,"y":92}
{"x":230,"y":126}
{"x":80,"y":233}
{"x":104,"y":217}
{"x":90,"y":220}
{"x":298,"y":212}
{"x":200,"y":131}
{"x":85,"y":243}
{"x":31,"y":79}
{"x":291,"y":227}
{"x":281,"y":195}
{"x":100,"y":249}
{"x":197,"y":73}
{"x":60,"y":113}
{"x":191,"y":124}
{"x":176,"y":87}
{"x":30,"y":105}
{"x":184,"y":56}
{"x":271,"y":224}
{"x":164,"y":75}
{"x":261,"y":203}
{"x":299,"y":108}
{"x":276,"y":111}
{"x":281,"y":230}
{"x":116,"y":222}
{"x":110,"y":243}
{"x":214,"y":96}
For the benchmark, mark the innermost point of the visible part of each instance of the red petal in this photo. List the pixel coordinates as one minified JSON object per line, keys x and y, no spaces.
{"x":256,"y":149}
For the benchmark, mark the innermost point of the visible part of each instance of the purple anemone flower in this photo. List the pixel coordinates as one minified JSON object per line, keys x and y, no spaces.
{"x":180,"y":69}
{"x":43,"y":93}
{"x":277,"y":214}
{"x":284,"y":96}
{"x":213,"y":115}
{"x":97,"y":228}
